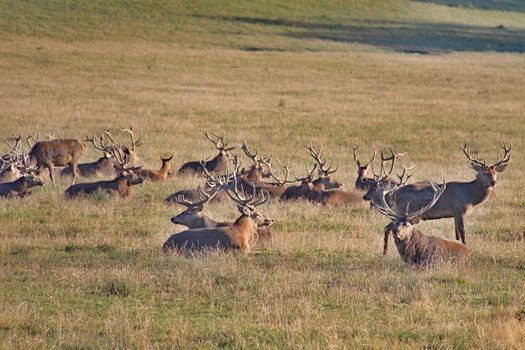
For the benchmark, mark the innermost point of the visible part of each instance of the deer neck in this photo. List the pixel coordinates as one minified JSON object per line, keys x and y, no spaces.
{"x":246,"y":226}
{"x":478,"y":192}
{"x":165,"y":168}
{"x":205,"y":221}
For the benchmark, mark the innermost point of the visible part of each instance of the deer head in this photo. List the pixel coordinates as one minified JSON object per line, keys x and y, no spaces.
{"x":404,"y":222}
{"x":324,"y":172}
{"x":257,"y":169}
{"x":487,"y":174}
{"x":362,"y":168}
{"x":220,"y":144}
{"x":193,"y":210}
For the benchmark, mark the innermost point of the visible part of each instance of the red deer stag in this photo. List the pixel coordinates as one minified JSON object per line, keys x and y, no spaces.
{"x":413,"y":246}
{"x":59,"y":152}
{"x":219,"y":164}
{"x":8,"y":169}
{"x":257,"y":170}
{"x":236,"y":236}
{"x":21,"y":187}
{"x":120,"y":186}
{"x":324,"y":173}
{"x":193,"y":217}
{"x":365,"y":183}
{"x":459,"y":198}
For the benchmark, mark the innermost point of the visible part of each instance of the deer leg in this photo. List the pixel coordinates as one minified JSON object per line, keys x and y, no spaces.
{"x":388,"y":230}
{"x":74,"y":169}
{"x":459,"y":222}
{"x":51,"y":169}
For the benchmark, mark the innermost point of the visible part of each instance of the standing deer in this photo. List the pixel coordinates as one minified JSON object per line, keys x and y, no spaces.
{"x":120,"y":186}
{"x":219,"y":164}
{"x":236,"y":236}
{"x":413,"y":246}
{"x":156,"y":175}
{"x":59,"y":152}
{"x":458,"y":199}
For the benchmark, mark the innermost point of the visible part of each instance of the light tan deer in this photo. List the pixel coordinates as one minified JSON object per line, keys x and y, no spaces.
{"x":236,"y":236}
{"x":458,"y":199}
{"x":413,"y":246}
{"x":219,"y":164}
{"x":156,"y":175}
{"x":193,"y":217}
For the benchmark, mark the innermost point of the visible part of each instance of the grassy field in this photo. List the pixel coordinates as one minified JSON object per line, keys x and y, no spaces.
{"x":422,"y":76}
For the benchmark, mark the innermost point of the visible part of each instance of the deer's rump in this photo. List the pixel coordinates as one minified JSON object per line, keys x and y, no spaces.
{"x":197,"y":240}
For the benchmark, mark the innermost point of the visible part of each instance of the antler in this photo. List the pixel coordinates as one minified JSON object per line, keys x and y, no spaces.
{"x":318,"y":157}
{"x":309,"y":175}
{"x":475,"y":163}
{"x":219,"y":143}
{"x":99,"y":142}
{"x":405,"y":176}
{"x":383,"y":206}
{"x":355,"y":147}
{"x":134,"y":143}
{"x":285,"y":167}
{"x":501,"y":164}
{"x":249,"y":154}
{"x":183,"y":201}
{"x":384,"y":174}
{"x":16,"y":146}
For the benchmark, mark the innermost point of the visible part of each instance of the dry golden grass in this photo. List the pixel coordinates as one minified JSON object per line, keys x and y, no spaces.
{"x":89,"y":273}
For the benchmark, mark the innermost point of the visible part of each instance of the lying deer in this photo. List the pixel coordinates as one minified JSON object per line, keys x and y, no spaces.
{"x":258,"y":170}
{"x":413,"y":246}
{"x":193,"y":217}
{"x":236,"y":236}
{"x":120,"y":186}
{"x":8,"y":169}
{"x":219,"y":164}
{"x":459,"y":198}
{"x":21,"y":187}
{"x":365,"y":183}
{"x":156,"y":175}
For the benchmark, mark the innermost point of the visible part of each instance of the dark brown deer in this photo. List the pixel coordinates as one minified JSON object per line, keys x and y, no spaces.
{"x":363,"y":182}
{"x":119,"y":186}
{"x":236,"y":236}
{"x":458,"y":199}
{"x":21,"y":187}
{"x":219,"y":164}
{"x":413,"y":246}
{"x":59,"y":152}
{"x":156,"y":175}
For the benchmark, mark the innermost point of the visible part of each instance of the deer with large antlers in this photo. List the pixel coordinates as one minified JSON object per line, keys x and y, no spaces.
{"x":120,"y":186}
{"x":193,"y":217}
{"x":218,"y":164}
{"x":458,"y":199}
{"x":21,"y":187}
{"x":236,"y":236}
{"x":8,"y":168}
{"x":413,"y":246}
{"x":324,"y":172}
{"x":259,"y":168}
{"x":365,"y":183}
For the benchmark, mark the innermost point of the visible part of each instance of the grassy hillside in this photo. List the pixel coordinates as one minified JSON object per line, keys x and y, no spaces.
{"x":89,"y":274}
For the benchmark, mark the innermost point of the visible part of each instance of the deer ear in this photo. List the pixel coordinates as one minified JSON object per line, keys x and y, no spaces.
{"x":500,"y":168}
{"x":200,"y":207}
{"x":415,"y":221}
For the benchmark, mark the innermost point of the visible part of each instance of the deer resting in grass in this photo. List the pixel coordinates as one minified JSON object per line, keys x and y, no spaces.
{"x":219,"y":164}
{"x":156,"y":175}
{"x":8,"y":168}
{"x":21,"y":187}
{"x":120,"y":186}
{"x":193,"y":217}
{"x":236,"y":236}
{"x":365,"y":183}
{"x":413,"y":246}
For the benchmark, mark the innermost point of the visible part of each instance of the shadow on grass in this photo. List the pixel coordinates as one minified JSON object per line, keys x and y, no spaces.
{"x":496,"y":5}
{"x":422,"y":38}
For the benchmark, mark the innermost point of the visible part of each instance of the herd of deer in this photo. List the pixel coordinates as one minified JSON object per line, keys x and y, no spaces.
{"x":404,"y":203}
